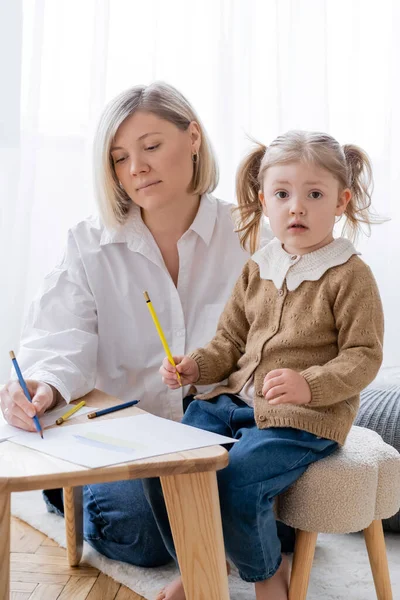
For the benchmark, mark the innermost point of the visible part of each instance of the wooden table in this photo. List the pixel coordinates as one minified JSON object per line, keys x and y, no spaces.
{"x":190,"y":489}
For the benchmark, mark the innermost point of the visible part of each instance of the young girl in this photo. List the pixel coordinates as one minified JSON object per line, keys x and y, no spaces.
{"x":298,"y":340}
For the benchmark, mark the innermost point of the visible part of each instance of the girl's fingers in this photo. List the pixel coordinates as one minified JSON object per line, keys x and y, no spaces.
{"x":167,"y":365}
{"x":269,"y":384}
{"x":173,"y":385}
{"x":167,"y":374}
{"x":168,"y":380}
{"x":283,"y":399}
{"x":272,"y":374}
{"x":277,"y":390}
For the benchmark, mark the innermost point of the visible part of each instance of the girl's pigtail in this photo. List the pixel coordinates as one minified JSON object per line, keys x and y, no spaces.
{"x":249,"y":205}
{"x":358,"y":211}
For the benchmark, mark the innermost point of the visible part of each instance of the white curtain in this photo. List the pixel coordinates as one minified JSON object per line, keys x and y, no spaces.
{"x":250,"y":67}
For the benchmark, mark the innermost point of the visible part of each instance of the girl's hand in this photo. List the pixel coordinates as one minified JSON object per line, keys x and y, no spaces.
{"x":186,"y":367}
{"x":285,"y":386}
{"x":17,"y":409}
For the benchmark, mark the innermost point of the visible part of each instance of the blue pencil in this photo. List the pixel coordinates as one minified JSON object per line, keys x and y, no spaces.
{"x":25,"y":390}
{"x":106,"y":411}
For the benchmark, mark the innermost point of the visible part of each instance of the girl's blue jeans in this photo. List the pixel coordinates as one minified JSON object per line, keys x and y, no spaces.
{"x":262,"y":465}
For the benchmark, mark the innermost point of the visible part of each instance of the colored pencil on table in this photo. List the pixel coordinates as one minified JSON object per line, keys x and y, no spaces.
{"x":161,"y":334}
{"x":25,"y":390}
{"x":70,"y":412}
{"x":106,"y":411}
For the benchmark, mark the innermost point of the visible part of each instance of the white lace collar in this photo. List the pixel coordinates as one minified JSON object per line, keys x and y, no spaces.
{"x":277,"y":265}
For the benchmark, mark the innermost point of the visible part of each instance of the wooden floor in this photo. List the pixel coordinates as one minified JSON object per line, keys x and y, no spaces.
{"x":40,"y":571}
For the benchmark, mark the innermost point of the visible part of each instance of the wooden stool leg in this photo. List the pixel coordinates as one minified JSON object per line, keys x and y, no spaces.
{"x":73,"y":512}
{"x":375,"y":541}
{"x":194,"y":514}
{"x":5,"y":516}
{"x":302,"y":562}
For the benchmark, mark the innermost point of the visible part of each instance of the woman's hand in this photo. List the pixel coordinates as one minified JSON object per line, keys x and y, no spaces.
{"x":17,"y":409}
{"x":186,"y":367}
{"x":285,"y":386}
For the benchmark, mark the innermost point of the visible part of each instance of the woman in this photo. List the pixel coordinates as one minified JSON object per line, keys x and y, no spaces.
{"x":160,"y":230}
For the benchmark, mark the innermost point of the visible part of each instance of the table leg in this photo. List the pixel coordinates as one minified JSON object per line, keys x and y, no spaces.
{"x":73,"y":512}
{"x":194,"y":513}
{"x":5,"y":516}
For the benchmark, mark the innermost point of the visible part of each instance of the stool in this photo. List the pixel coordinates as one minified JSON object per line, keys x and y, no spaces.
{"x":351,"y":490}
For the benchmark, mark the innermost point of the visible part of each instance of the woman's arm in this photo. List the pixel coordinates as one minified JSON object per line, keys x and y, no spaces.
{"x":59,"y":341}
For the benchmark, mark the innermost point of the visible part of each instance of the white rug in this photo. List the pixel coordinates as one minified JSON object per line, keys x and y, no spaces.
{"x":341,"y":569}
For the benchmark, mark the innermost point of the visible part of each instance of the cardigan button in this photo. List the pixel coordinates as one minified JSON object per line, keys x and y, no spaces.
{"x":273,"y":328}
{"x":262,"y":418}
{"x":260,"y":394}
{"x":280,"y":293}
{"x":293,"y":257}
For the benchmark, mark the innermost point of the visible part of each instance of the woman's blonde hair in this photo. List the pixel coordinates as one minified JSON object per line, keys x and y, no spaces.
{"x":166,"y":102}
{"x":349,"y":164}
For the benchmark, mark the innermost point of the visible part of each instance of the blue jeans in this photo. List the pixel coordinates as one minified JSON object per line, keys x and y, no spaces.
{"x":118,"y":522}
{"x":262,"y":465}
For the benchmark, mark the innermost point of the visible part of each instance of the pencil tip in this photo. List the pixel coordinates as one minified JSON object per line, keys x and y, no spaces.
{"x":41,"y":434}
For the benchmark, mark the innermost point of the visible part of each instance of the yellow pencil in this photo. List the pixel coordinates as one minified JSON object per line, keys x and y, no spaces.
{"x":70,"y":412}
{"x":161,"y":334}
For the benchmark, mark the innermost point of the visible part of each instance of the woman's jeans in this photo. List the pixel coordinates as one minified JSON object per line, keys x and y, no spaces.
{"x":119,"y":523}
{"x":262,"y":465}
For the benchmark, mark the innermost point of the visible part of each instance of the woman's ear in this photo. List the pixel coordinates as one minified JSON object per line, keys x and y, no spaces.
{"x":343,"y":200}
{"x":262,"y":201}
{"x":195,"y":136}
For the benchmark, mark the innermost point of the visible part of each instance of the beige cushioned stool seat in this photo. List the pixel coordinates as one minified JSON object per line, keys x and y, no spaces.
{"x":351,"y":490}
{"x":345,"y":492}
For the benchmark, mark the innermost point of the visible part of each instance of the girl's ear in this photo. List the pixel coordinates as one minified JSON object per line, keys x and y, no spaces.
{"x":343,"y":201}
{"x":262,"y":201}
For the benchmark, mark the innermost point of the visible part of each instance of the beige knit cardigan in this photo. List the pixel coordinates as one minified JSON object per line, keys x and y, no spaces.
{"x":330,"y":331}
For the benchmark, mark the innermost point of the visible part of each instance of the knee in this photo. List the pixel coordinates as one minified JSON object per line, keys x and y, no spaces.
{"x":123,"y":528}
{"x":193,"y":412}
{"x":139,"y":545}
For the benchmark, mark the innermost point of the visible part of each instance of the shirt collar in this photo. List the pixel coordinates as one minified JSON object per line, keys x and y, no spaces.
{"x":278,"y":266}
{"x":205,"y":219}
{"x":134,"y":232}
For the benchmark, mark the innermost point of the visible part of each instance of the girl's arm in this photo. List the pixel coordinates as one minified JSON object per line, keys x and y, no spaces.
{"x":359,"y":320}
{"x":218,"y":359}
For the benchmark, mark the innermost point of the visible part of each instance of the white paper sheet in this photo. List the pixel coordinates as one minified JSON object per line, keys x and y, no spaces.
{"x":120,"y":440}
{"x":6,"y":431}
{"x":48,"y":419}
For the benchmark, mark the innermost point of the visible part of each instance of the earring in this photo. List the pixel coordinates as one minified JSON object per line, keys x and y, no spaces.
{"x":195,"y":158}
{"x":121,"y":186}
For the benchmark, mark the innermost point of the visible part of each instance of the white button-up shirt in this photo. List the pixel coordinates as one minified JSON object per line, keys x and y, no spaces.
{"x":90,"y":325}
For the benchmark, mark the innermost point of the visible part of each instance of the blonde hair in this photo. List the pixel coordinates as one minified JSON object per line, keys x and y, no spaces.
{"x":166,"y":102}
{"x":349,"y":164}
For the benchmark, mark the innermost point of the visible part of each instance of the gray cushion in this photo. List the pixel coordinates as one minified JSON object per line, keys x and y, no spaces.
{"x":380,"y":411}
